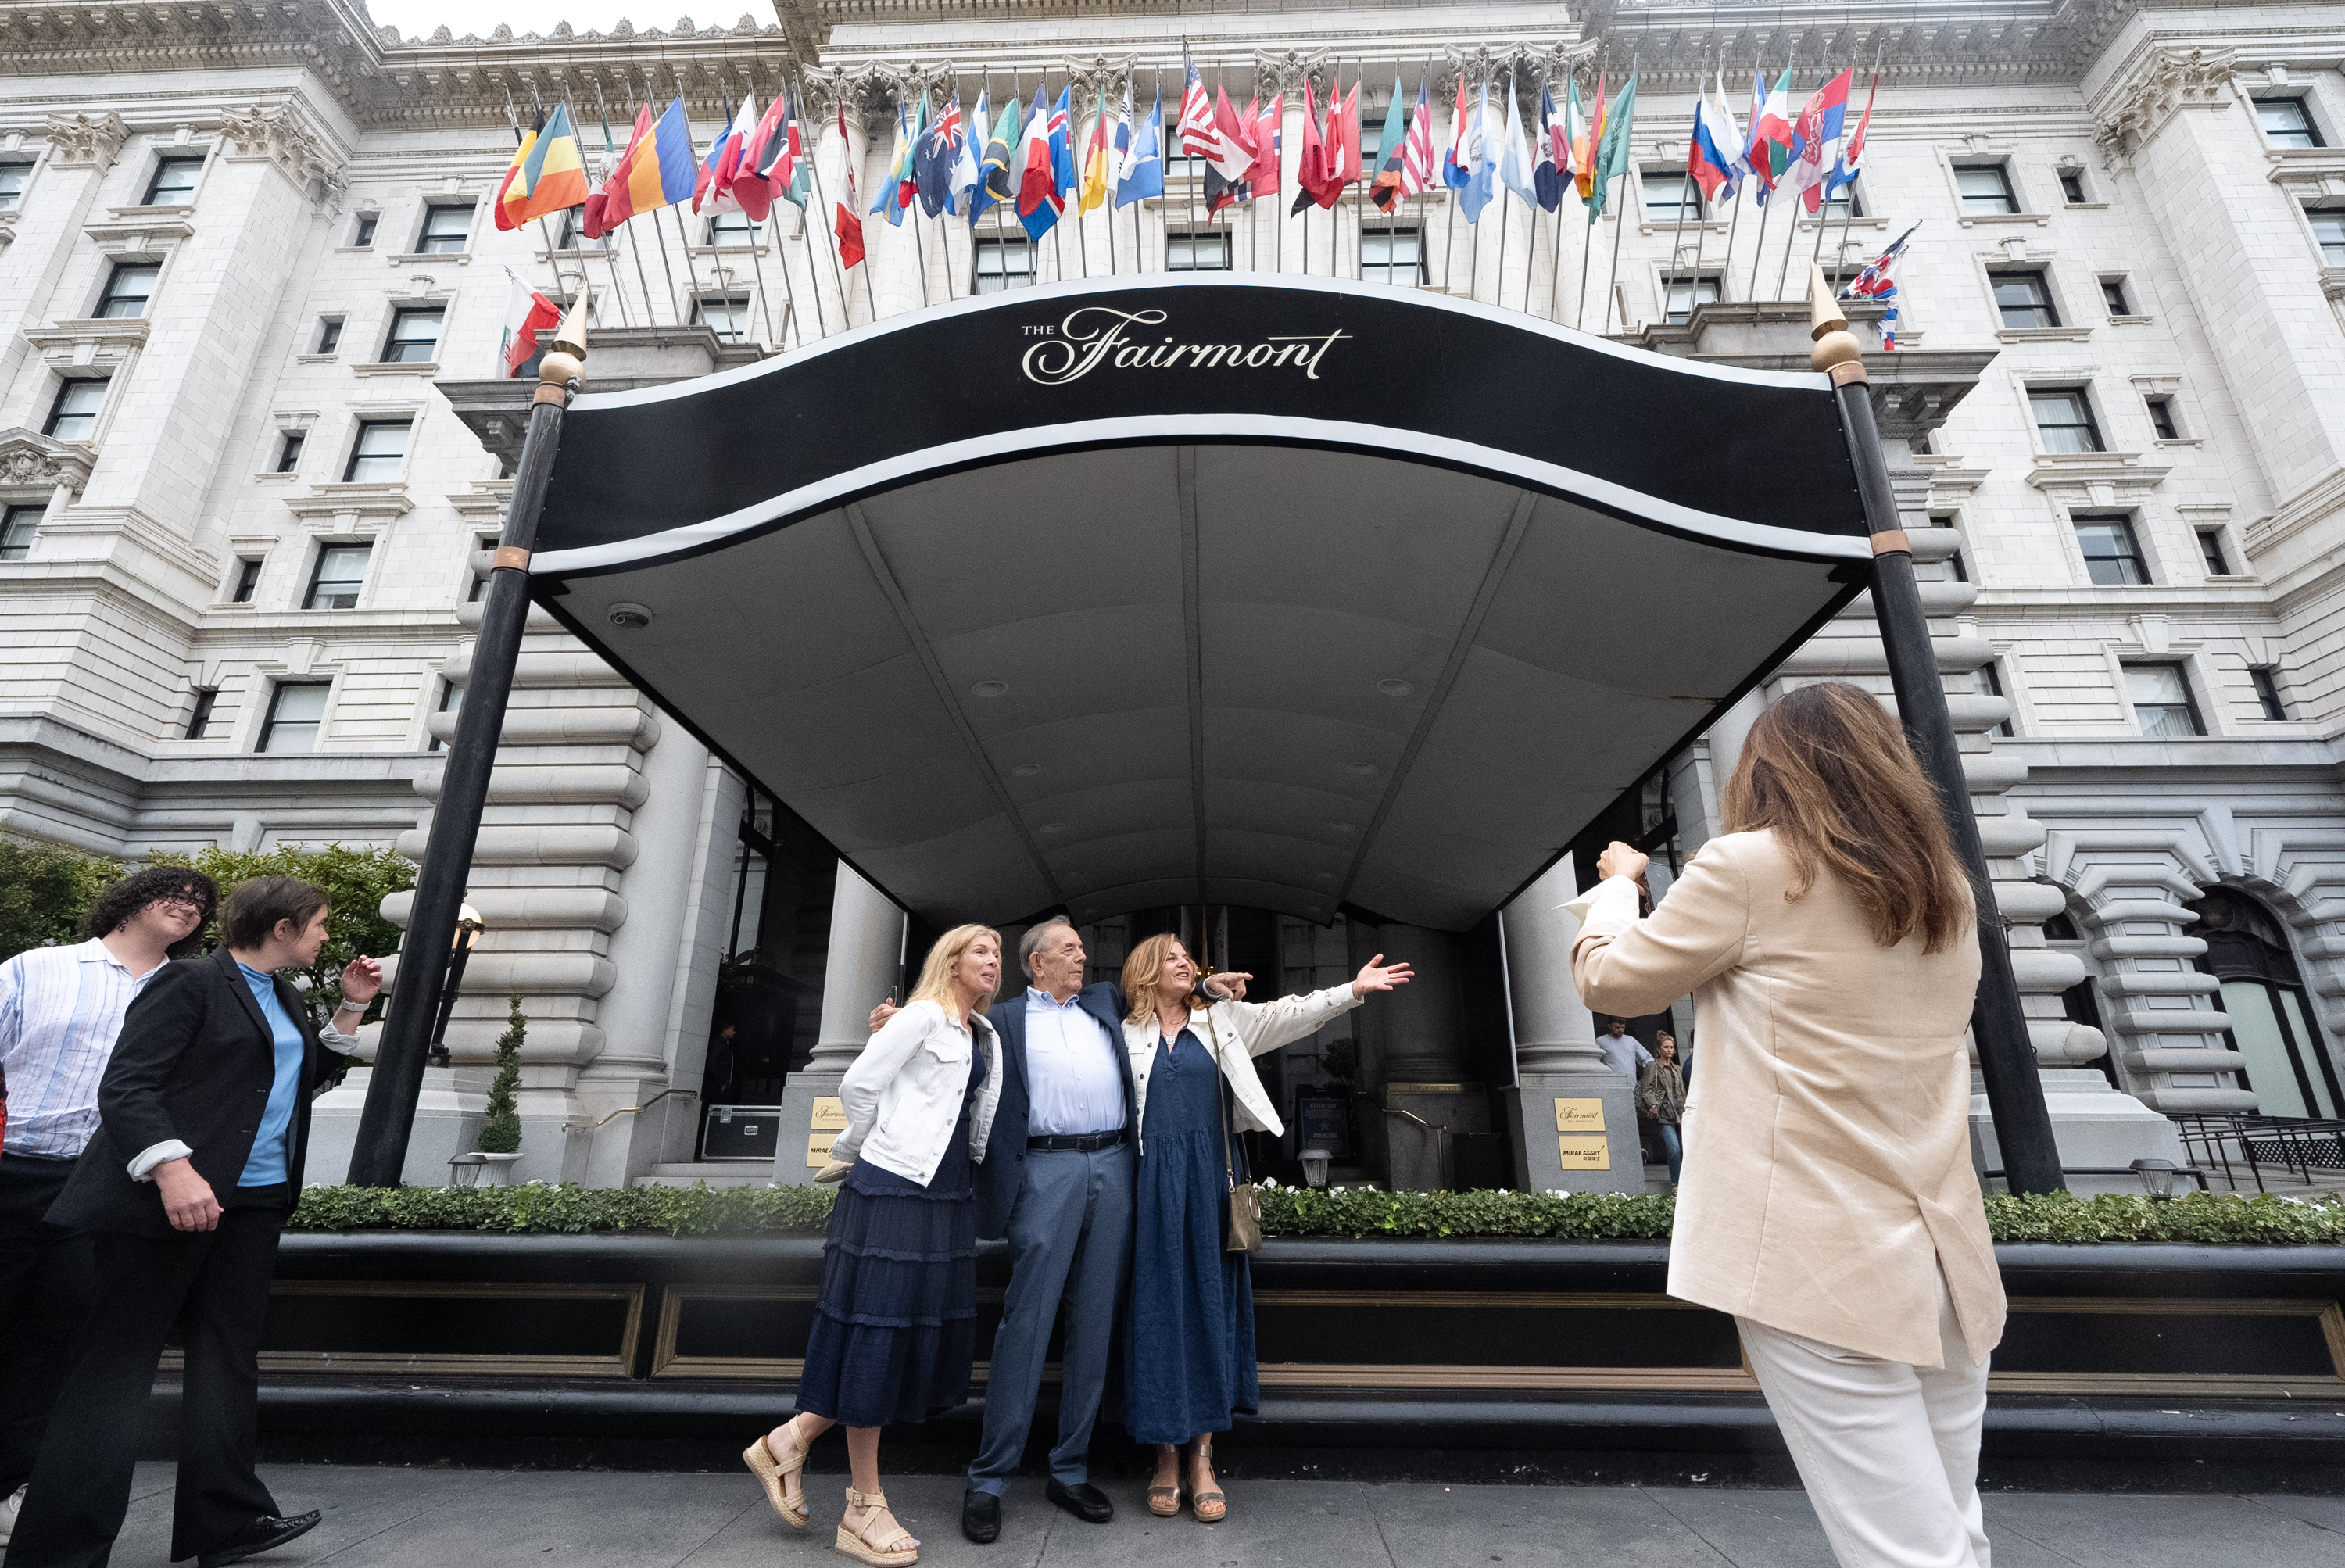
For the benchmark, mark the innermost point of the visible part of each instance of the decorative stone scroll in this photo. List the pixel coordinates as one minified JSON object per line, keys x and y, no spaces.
{"x":274,"y":133}
{"x":2167,"y":81}
{"x":31,"y":461}
{"x":94,"y":139}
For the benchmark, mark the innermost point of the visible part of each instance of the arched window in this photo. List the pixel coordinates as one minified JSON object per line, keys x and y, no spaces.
{"x":2271,"y":1024}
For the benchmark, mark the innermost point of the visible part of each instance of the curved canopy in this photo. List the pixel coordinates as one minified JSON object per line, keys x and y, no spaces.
{"x":1262,"y":590}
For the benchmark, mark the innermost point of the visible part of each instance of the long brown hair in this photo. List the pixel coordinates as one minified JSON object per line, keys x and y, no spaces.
{"x":1143,"y":968}
{"x":1831,"y":773}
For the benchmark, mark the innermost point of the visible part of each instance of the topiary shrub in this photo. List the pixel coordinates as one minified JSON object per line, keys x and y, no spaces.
{"x":500,"y":1134}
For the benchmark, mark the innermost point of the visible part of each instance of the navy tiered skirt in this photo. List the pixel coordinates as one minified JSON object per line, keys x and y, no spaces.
{"x":895,"y":1324}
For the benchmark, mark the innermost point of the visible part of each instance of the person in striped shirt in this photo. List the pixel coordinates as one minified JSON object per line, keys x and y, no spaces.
{"x":60,"y":1011}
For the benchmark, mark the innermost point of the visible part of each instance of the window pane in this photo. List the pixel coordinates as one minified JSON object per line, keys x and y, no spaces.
{"x":378,"y":452}
{"x":2161,"y":699}
{"x":1688,"y":292}
{"x":730,"y":317}
{"x":342,"y":573}
{"x":18,"y":526}
{"x":248,"y":578}
{"x":2267,"y":692}
{"x":2329,"y":232}
{"x":2272,"y":1067}
{"x":415,"y":336}
{"x":1669,"y":193}
{"x":2072,"y":189}
{"x":734,"y":228}
{"x":2112,"y":559}
{"x":2024,"y":300}
{"x":2286,"y":123}
{"x":129,"y":289}
{"x":2065,"y":421}
{"x":175,"y":182}
{"x":2113,"y":295}
{"x":1196,"y":253}
{"x":1004,"y":264}
{"x":362,"y":234}
{"x":289,"y":453}
{"x":445,"y":231}
{"x":1391,"y":256}
{"x":1845,"y":203}
{"x":12,"y":177}
{"x":1986,"y":189}
{"x":295,"y":714}
{"x":2210,"y":550}
{"x":74,"y":417}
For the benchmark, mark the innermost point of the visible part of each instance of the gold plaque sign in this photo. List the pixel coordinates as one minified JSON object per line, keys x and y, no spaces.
{"x":1578,"y":1116}
{"x":1585,"y":1154}
{"x":818,"y":1149}
{"x":829,"y":1115}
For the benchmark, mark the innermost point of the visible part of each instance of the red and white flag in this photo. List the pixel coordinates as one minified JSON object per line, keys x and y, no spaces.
{"x":1199,"y":138}
{"x":526,"y":311}
{"x":848,"y":226}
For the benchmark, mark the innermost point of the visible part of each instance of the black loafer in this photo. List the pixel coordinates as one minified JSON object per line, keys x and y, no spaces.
{"x":1085,"y":1501}
{"x":981,"y":1516}
{"x":265,"y":1534}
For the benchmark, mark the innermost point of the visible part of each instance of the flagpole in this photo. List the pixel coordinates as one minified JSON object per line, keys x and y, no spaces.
{"x":1082,"y":237}
{"x":609,"y":260}
{"x":666,"y":272}
{"x":1587,"y":245}
{"x":1734,"y":223}
{"x":1702,"y":228}
{"x":814,"y":168}
{"x":1848,"y":211}
{"x":1555,"y":286}
{"x":781,"y":256}
{"x":1766,"y":187}
{"x":1000,"y":237}
{"x":1783,"y":277}
{"x":1278,"y":207}
{"x":1612,"y":284}
{"x":1677,"y":237}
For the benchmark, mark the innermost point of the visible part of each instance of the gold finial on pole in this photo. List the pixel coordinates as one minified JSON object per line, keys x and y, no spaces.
{"x":1837,"y":353}
{"x":564,"y":362}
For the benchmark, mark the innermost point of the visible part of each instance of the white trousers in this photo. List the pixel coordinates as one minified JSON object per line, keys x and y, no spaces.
{"x":1888,"y":1452}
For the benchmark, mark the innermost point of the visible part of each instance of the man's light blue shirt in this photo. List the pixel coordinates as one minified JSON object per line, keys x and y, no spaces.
{"x":1070,"y":1074}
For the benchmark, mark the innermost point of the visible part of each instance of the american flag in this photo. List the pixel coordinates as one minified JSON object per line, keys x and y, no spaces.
{"x":1199,"y":138}
{"x":1416,"y":148}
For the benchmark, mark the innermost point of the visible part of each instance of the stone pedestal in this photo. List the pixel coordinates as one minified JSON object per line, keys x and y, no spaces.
{"x":448,"y":1115}
{"x":1572,"y":1120}
{"x":2095,"y":1126}
{"x":865,"y":957}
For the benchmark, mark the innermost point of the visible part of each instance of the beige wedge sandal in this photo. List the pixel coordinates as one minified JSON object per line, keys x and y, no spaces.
{"x":893,"y":1549}
{"x":1210,"y":1507}
{"x":1164,"y":1501}
{"x":776,"y":1472}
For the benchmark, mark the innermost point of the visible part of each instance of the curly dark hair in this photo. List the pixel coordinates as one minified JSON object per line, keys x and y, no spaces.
{"x":120,"y":903}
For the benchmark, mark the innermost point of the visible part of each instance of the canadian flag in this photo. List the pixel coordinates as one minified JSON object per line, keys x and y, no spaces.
{"x":526,"y":311}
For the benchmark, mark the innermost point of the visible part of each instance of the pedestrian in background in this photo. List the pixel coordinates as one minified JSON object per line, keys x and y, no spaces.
{"x":1830,"y":1203}
{"x":895,"y":1326}
{"x":1623,"y":1050}
{"x":203,"y":1127}
{"x":61,"y":1009}
{"x":1661,"y":1100}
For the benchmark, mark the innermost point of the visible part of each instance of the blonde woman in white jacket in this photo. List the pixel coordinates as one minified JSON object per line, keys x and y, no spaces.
{"x":895,"y":1327}
{"x":1189,"y":1366}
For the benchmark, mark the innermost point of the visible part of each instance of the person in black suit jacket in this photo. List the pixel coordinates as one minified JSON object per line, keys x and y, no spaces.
{"x":203,"y":1125}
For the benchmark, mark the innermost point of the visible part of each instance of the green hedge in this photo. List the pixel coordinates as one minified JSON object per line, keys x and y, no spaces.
{"x":1356,"y":1211}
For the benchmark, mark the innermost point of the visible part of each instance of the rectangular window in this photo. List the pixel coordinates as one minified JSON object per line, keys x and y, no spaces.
{"x":18,"y":526}
{"x":74,"y":416}
{"x":296,"y":711}
{"x":127,"y":289}
{"x":1004,"y":264}
{"x":2072,"y":188}
{"x":362,"y":230}
{"x":447,"y":230}
{"x":2267,"y":681}
{"x":728,"y":314}
{"x":2286,"y":123}
{"x":415,"y":336}
{"x":1206,"y":251}
{"x":1392,"y":256}
{"x":2210,"y":551}
{"x":2063,"y":419}
{"x":1843,"y":203}
{"x":289,"y":451}
{"x":379,"y":453}
{"x":1986,"y":683}
{"x":340,"y":573}
{"x":200,"y":718}
{"x":1670,"y":193}
{"x":2112,"y":557}
{"x":2113,"y":295}
{"x":1957,"y":570}
{"x":2329,"y":233}
{"x":1985,"y":188}
{"x":2162,"y":418}
{"x":330,"y":334}
{"x":2024,"y":299}
{"x":1685,"y":293}
{"x":734,"y":228}
{"x":14,"y":174}
{"x":248,"y":579}
{"x":2161,"y":699}
{"x":174,"y":184}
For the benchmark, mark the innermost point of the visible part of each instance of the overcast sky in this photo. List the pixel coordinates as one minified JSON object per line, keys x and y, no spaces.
{"x":417,"y":18}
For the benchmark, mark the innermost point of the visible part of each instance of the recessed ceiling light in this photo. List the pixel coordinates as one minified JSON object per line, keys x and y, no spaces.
{"x":1026,"y":770}
{"x":1364,"y":768}
{"x":988,"y":688}
{"x":1395,"y":688}
{"x":628,"y":618}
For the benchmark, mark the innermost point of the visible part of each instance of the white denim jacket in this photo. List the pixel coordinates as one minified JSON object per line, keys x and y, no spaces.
{"x":1236,"y":1033}
{"x":902,"y":1096}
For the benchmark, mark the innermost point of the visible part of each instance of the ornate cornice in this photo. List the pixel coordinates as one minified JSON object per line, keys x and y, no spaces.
{"x":275,"y":134}
{"x":93,"y":139}
{"x":29,"y":459}
{"x":2157,"y":84}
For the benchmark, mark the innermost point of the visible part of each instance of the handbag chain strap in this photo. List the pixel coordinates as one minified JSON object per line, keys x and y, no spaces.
{"x":1221,"y":1101}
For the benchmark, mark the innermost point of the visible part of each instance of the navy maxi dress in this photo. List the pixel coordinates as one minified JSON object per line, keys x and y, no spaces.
{"x":1189,"y":1358}
{"x":895,"y":1322}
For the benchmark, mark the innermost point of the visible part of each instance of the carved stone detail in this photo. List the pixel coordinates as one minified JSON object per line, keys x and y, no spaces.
{"x":29,"y":459}
{"x":92,"y":139}
{"x":2167,"y":81}
{"x":274,"y":133}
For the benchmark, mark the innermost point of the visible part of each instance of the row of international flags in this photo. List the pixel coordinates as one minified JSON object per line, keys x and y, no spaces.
{"x":1022,"y":158}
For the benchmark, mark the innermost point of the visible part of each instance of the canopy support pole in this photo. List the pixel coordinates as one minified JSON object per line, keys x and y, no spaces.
{"x":2014,"y":1093}
{"x":389,"y":1117}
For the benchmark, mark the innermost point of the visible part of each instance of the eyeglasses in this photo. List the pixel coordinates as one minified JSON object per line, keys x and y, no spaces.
{"x":180,"y":901}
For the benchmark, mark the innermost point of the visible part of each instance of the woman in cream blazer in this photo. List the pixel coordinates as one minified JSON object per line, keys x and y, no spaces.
{"x":1828,"y":1198}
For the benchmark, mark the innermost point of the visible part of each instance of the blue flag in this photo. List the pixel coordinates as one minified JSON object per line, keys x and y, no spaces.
{"x":1484,"y":184}
{"x":1143,"y":167}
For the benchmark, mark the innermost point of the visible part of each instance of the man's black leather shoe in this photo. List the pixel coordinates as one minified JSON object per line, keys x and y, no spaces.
{"x":981,"y":1515}
{"x":1082,"y":1499}
{"x":265,"y":1534}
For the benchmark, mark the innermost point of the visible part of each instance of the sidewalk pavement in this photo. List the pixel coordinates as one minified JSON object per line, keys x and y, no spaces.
{"x":398,"y":1518}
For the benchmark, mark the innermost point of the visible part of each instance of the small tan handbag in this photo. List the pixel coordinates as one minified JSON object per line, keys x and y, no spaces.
{"x":1242,"y":1230}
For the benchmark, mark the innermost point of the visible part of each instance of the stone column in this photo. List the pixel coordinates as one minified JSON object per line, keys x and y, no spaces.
{"x":1566,"y":1097}
{"x":1424,"y":1069}
{"x":865,"y":956}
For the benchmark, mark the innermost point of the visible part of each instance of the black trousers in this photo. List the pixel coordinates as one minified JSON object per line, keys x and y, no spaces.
{"x":44,"y":1292}
{"x":214,"y":1286}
